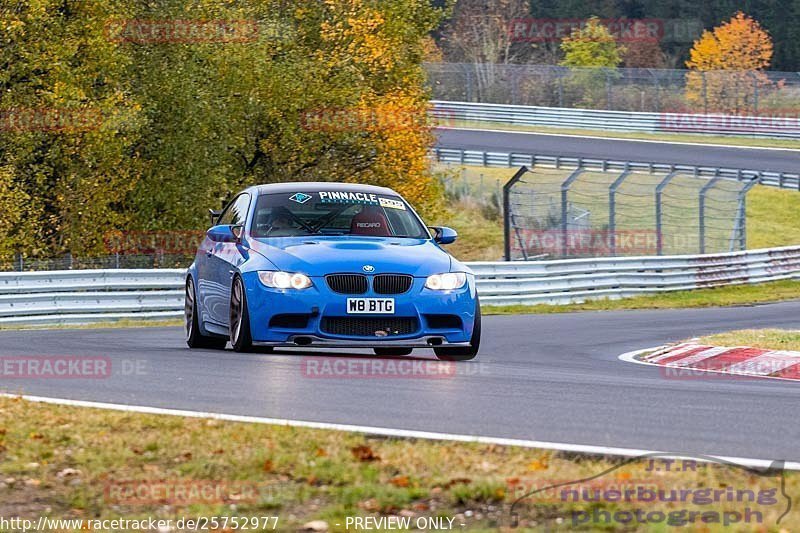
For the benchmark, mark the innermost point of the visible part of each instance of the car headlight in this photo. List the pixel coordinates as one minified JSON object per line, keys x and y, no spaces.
{"x":446,"y":282}
{"x":284,"y":280}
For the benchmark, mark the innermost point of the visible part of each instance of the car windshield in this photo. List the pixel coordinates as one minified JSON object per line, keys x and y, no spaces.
{"x":335,"y":213}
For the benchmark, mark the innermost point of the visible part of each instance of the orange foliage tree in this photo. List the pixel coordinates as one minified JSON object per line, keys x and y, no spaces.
{"x":727,"y":65}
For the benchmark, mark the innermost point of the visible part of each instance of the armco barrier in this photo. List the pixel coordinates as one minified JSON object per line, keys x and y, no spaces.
{"x":85,"y":296}
{"x":787,"y":127}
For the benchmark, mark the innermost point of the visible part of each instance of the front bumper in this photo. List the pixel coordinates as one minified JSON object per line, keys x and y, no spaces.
{"x":313,"y":341}
{"x":320,"y":302}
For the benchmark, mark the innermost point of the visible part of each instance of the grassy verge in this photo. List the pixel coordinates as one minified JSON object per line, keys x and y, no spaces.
{"x":775,"y":291}
{"x":127,"y":323}
{"x":768,"y":339}
{"x":753,"y":142}
{"x":67,"y":462}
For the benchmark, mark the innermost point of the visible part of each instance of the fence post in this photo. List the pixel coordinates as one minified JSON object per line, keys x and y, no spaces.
{"x":507,"y":222}
{"x":755,"y":94}
{"x":612,"y":209}
{"x":560,"y":91}
{"x":20,"y":261}
{"x":741,"y":214}
{"x":608,"y":88}
{"x":658,"y":93}
{"x":659,"y":212}
{"x":713,"y":181}
{"x":515,"y":87}
{"x":705,"y":93}
{"x":565,"y":207}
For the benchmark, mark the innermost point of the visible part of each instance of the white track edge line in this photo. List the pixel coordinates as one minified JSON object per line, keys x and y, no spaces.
{"x":652,"y":141}
{"x":389,"y":432}
{"x":630,"y":357}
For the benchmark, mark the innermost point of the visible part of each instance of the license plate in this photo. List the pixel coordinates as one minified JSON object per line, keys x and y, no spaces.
{"x":364,"y":306}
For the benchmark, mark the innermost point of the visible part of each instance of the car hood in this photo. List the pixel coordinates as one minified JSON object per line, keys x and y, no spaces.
{"x":318,"y":256}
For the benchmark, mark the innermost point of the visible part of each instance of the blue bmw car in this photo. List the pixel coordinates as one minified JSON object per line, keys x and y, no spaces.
{"x":329,"y":265}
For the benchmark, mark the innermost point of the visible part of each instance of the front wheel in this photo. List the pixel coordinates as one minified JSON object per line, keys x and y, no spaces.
{"x":241,"y":339}
{"x":194,"y":339}
{"x":465,"y":353}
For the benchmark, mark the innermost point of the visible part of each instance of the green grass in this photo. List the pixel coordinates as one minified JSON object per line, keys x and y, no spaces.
{"x":768,"y":339}
{"x":754,"y":142}
{"x":772,"y":217}
{"x":126,"y":323}
{"x":68,"y":462}
{"x":775,"y":291}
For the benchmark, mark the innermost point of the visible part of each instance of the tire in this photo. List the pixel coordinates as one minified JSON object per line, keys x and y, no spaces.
{"x":194,"y":339}
{"x":241,"y":339}
{"x":467,"y":352}
{"x":392,"y":351}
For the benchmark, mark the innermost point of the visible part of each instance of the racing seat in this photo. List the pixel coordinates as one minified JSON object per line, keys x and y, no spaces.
{"x":370,"y":221}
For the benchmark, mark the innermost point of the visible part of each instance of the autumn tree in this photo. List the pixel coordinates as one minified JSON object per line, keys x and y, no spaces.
{"x":643,"y":54}
{"x":65,"y":158}
{"x":593,"y":50}
{"x":727,"y":65}
{"x":591,"y":45}
{"x":480,"y":34}
{"x":178,"y":125}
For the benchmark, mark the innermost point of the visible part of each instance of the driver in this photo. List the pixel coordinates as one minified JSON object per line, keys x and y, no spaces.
{"x":280,"y":224}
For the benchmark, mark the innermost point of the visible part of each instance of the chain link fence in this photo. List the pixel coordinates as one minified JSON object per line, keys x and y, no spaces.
{"x":623,"y":89}
{"x":582,"y":213}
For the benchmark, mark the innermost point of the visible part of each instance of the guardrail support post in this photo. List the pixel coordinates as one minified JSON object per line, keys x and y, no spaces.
{"x":713,"y":181}
{"x":659,"y":211}
{"x":612,"y":209}
{"x":507,"y":215}
{"x":565,"y":206}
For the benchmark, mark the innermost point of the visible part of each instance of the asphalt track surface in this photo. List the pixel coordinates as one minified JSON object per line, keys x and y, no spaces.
{"x":621,"y":150}
{"x":554,"y":378}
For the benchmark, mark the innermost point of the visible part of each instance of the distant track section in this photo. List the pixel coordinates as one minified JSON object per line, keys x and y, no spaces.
{"x":660,"y":152}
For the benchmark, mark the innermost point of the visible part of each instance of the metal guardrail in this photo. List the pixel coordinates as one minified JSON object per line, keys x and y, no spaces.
{"x":454,"y":156}
{"x":577,"y":280}
{"x":86,"y":296}
{"x":64,"y":297}
{"x":786,"y":127}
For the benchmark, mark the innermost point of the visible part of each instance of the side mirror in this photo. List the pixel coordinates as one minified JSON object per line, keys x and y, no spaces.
{"x":225,"y":233}
{"x":214,"y":214}
{"x":444,"y":235}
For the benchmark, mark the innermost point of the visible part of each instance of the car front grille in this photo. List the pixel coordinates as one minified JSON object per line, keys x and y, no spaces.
{"x":391,"y":283}
{"x":347,"y":283}
{"x":367,"y":326}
